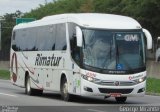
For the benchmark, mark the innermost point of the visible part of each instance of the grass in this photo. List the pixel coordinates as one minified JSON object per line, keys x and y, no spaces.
{"x":4,"y":74}
{"x":153,"y":85}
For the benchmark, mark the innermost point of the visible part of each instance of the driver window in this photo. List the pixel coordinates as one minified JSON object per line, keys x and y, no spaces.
{"x":75,"y":51}
{"x":98,"y":49}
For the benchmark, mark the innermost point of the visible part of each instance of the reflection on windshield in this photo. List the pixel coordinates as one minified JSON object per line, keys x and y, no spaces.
{"x":113,"y":50}
{"x":99,"y":49}
{"x":129,"y":51}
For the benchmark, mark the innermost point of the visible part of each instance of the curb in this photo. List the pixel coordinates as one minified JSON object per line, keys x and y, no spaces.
{"x":154,"y":94}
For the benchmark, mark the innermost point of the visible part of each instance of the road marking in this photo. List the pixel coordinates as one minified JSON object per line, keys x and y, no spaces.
{"x":8,"y":94}
{"x":93,"y":110}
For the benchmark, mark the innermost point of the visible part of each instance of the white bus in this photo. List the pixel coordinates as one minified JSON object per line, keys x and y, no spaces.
{"x":158,"y":50}
{"x":86,"y":54}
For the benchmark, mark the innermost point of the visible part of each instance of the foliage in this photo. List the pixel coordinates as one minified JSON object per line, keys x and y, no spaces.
{"x":145,"y":11}
{"x":153,"y":85}
{"x":7,"y":25}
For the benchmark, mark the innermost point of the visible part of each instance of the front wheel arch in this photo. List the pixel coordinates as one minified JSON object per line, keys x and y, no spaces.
{"x":31,"y":91}
{"x":64,"y":88}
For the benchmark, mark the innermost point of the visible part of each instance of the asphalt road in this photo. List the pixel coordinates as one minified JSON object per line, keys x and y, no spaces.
{"x":15,"y":98}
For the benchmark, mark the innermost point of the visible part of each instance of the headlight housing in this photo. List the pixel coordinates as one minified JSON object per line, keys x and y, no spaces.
{"x":91,"y":79}
{"x":142,"y":79}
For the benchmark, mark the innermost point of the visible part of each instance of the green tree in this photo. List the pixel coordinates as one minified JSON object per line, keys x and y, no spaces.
{"x":146,"y":12}
{"x":7,"y":25}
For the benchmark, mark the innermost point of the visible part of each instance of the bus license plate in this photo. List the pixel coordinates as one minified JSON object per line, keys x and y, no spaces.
{"x":115,"y":94}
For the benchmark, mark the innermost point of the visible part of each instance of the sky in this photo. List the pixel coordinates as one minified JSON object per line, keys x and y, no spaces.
{"x":11,"y":6}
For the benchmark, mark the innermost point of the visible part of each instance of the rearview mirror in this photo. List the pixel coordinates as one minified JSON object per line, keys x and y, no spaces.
{"x":79,"y":36}
{"x":149,"y":38}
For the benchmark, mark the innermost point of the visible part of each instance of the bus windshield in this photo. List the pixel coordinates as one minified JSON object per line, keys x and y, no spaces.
{"x":113,"y":50}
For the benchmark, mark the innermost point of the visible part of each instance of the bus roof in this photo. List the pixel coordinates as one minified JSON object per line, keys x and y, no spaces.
{"x":89,"y":20}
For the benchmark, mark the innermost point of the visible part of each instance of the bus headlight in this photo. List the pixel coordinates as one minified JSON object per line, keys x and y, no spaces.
{"x":140,"y":80}
{"x":91,"y":79}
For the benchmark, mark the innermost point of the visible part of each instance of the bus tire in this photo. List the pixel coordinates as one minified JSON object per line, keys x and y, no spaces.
{"x":28,"y":89}
{"x":64,"y":90}
{"x":121,"y":99}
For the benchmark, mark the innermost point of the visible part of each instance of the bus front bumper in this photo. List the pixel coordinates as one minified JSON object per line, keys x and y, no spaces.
{"x":92,"y":89}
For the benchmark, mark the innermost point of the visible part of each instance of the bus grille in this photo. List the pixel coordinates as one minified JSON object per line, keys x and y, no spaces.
{"x":121,"y":83}
{"x":122,"y":91}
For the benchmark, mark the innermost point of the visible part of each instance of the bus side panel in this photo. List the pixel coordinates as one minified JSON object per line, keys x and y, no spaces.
{"x":17,"y":70}
{"x":73,"y":76}
{"x":36,"y":73}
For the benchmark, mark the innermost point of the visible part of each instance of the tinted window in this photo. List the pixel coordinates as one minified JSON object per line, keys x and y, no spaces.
{"x":75,"y":51}
{"x":61,"y":37}
{"x":24,"y":40}
{"x":14,"y":47}
{"x":20,"y":40}
{"x":40,"y":38}
{"x":50,"y":38}
{"x":46,"y":38}
{"x":31,"y":37}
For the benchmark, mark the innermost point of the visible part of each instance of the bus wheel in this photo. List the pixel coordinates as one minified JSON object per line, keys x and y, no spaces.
{"x":64,"y":90}
{"x":121,"y":99}
{"x":31,"y":91}
{"x":28,"y":89}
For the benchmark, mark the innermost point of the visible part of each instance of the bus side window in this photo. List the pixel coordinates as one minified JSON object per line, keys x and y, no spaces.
{"x":13,"y":36}
{"x":61,"y":43}
{"x":14,"y":47}
{"x":75,"y":51}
